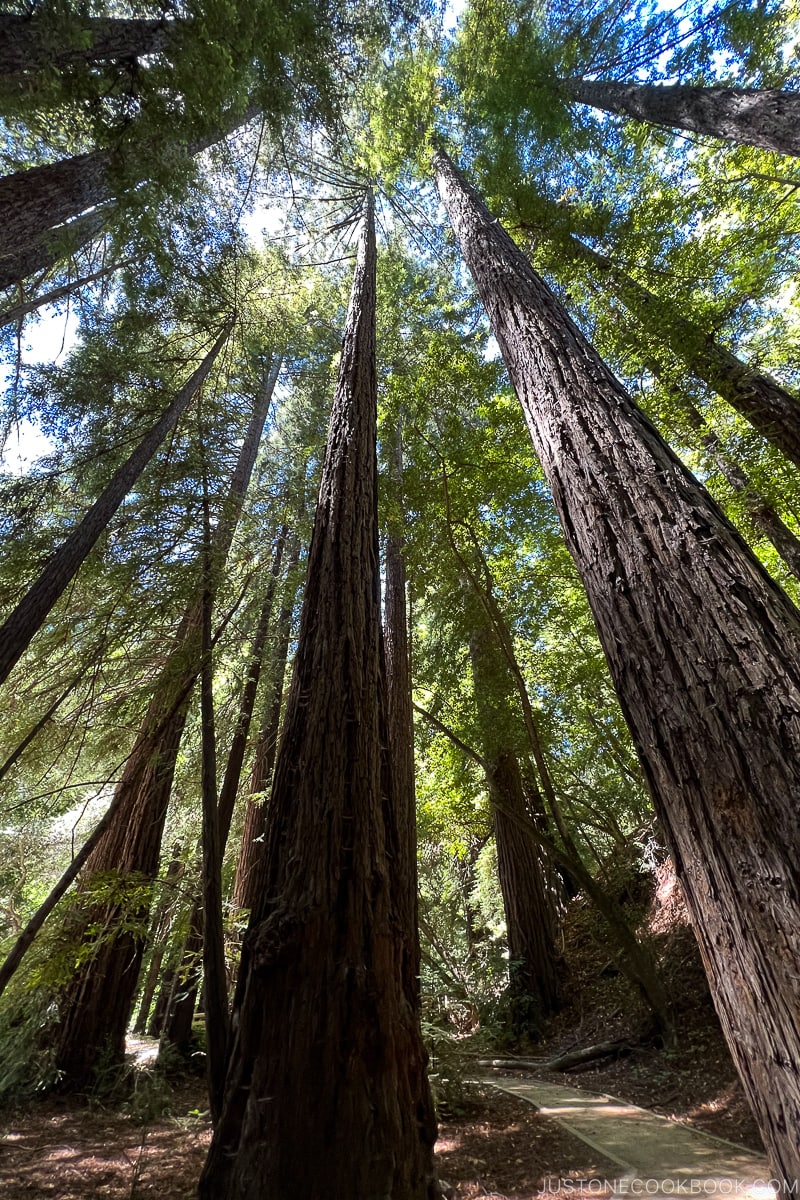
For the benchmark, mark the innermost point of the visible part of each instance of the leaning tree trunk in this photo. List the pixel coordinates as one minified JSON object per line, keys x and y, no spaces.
{"x":36,"y":200}
{"x":97,"y":1003}
{"x":33,"y":43}
{"x":244,"y":885}
{"x":326,"y":1094}
{"x":159,"y":931}
{"x":32,"y":611}
{"x":703,"y":649}
{"x":53,"y":246}
{"x":759,"y":398}
{"x":530,"y":905}
{"x":767,"y":118}
{"x":17,"y":312}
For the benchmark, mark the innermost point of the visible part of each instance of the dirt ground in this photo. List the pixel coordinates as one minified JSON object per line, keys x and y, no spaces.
{"x":60,"y":1150}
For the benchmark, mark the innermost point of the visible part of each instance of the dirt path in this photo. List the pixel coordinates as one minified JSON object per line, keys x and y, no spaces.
{"x":656,"y":1157}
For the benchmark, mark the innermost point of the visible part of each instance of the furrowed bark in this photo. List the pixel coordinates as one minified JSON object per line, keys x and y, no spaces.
{"x":326,"y":1094}
{"x":53,"y":246}
{"x":97,"y":1003}
{"x":704,"y":650}
{"x":769,"y":118}
{"x":30,"y":614}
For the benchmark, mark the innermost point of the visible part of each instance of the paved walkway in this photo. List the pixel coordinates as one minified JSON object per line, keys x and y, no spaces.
{"x":656,"y":1156}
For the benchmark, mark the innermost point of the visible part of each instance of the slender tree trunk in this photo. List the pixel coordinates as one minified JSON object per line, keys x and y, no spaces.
{"x":326,"y":1094}
{"x":16,"y":312}
{"x":530,"y":906}
{"x":401,"y":724}
{"x":244,"y":886}
{"x":53,"y":246}
{"x":177,"y":1024}
{"x":32,"y":611}
{"x":159,"y":928}
{"x":32,"y":43}
{"x":36,"y":200}
{"x":703,"y":648}
{"x":766,"y":118}
{"x":759,"y":398}
{"x":96,"y":1006}
{"x":216,"y":991}
{"x":762,"y":514}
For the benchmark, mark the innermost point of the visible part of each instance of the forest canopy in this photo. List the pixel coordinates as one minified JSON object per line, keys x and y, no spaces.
{"x":400,"y":526}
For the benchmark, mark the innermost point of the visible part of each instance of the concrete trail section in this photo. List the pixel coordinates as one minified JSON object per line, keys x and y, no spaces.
{"x":655,"y":1156}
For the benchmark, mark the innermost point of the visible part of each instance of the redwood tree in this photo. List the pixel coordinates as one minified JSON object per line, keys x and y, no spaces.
{"x":703,"y":648}
{"x":97,"y":1003}
{"x":768,"y":118}
{"x":326,"y":1093}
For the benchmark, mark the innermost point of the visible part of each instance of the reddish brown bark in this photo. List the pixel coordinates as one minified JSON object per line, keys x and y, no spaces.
{"x":96,"y":1006}
{"x":704,"y":650}
{"x":326,"y":1094}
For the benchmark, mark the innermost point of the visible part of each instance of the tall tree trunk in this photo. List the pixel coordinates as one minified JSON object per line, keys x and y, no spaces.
{"x":703,"y":649}
{"x":177,"y":1025}
{"x":216,"y":991}
{"x":244,"y":886}
{"x":33,"y":609}
{"x":529,"y":904}
{"x":16,"y":312}
{"x":30,"y":43}
{"x":96,"y":1005}
{"x":326,"y":1094}
{"x":53,"y":246}
{"x":159,"y":929}
{"x":401,"y":723}
{"x":767,"y":118}
{"x":36,"y":200}
{"x":759,"y":398}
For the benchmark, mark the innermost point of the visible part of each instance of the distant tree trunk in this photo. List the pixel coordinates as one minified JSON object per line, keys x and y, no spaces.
{"x":159,"y":928}
{"x":17,"y":312}
{"x":96,"y":1006}
{"x":266,"y":748}
{"x":760,"y":399}
{"x":177,"y":1025}
{"x":32,"y":611}
{"x":767,"y":118}
{"x":35,"y":200}
{"x":763,"y":515}
{"x":30,"y":43}
{"x":53,"y":246}
{"x":401,"y":724}
{"x":703,"y":648}
{"x":326,"y":1096}
{"x":530,"y":905}
{"x":215,"y":982}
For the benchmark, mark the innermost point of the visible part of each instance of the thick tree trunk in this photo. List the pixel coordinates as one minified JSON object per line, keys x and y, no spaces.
{"x":32,"y":611}
{"x":32,"y":43}
{"x":326,"y":1094}
{"x":96,"y":1005}
{"x":530,"y":906}
{"x":760,"y":399}
{"x":36,"y":200}
{"x":51,"y":247}
{"x":703,"y":648}
{"x":266,"y":747}
{"x":769,"y":119}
